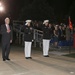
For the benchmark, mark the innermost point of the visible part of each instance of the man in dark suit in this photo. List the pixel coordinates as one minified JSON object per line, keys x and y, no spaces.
{"x":6,"y":32}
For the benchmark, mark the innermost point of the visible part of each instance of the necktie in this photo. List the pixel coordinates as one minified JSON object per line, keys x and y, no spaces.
{"x":8,"y":28}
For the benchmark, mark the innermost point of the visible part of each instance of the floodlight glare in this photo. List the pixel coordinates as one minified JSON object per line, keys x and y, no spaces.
{"x":1,"y":8}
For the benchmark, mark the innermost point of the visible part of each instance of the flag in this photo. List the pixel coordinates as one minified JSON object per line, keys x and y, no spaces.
{"x":70,"y":23}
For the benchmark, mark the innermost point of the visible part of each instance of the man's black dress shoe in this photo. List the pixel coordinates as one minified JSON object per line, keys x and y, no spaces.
{"x":46,"y":56}
{"x":28,"y":57}
{"x":8,"y":59}
{"x":4,"y":59}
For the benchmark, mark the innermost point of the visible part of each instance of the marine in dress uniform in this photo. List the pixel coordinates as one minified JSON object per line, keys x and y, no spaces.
{"x":6,"y":32}
{"x":28,"y":37}
{"x":47,"y":33}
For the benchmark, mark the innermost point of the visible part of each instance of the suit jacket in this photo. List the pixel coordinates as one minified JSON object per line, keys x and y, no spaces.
{"x":6,"y":37}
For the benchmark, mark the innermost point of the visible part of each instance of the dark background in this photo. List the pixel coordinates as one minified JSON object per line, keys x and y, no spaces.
{"x":56,"y":11}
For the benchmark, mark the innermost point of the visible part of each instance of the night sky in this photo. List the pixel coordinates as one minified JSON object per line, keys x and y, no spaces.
{"x":13,"y":7}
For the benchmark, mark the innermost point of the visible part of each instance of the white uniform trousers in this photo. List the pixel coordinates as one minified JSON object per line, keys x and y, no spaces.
{"x":27,"y":49}
{"x":45,"y":47}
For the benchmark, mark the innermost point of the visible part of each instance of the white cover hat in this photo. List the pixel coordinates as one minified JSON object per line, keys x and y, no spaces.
{"x":28,"y":21}
{"x":57,"y":25}
{"x":45,"y":21}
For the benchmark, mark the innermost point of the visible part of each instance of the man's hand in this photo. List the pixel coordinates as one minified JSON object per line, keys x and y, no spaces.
{"x":8,"y":31}
{"x":32,"y":40}
{"x":10,"y":41}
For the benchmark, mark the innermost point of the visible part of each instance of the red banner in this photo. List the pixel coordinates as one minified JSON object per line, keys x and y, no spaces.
{"x":70,"y":23}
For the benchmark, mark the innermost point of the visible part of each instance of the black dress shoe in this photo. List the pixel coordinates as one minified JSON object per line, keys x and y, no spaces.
{"x":8,"y":59}
{"x":27,"y":57}
{"x":46,"y":56}
{"x":4,"y":59}
{"x":30,"y":57}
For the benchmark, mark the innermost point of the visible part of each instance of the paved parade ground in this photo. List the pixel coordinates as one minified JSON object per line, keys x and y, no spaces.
{"x":39,"y":65}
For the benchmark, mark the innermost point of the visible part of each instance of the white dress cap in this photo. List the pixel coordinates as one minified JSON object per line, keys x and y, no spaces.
{"x":28,"y":21}
{"x":45,"y":21}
